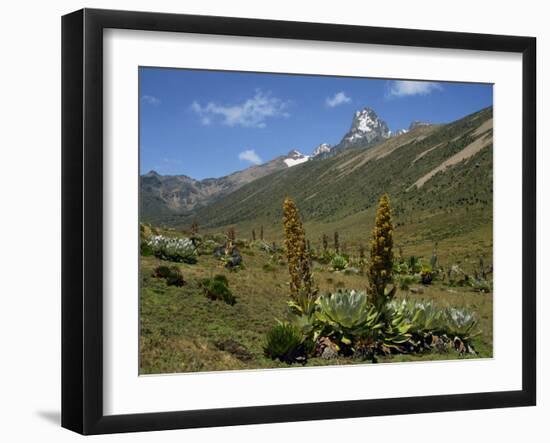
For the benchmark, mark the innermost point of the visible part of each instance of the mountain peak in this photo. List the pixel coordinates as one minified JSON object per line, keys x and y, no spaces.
{"x":323,"y":148}
{"x":294,"y":153}
{"x":366,"y":128}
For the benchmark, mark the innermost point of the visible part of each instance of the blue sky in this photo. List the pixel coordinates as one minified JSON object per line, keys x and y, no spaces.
{"x":211,"y":123}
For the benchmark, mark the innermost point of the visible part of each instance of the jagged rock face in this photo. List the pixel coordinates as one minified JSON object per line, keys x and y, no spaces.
{"x":400,"y":132}
{"x":323,"y":148}
{"x":366,"y":128}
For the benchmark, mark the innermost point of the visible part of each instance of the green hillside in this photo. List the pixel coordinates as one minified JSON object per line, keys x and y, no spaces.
{"x":340,"y":192}
{"x":439,"y":180}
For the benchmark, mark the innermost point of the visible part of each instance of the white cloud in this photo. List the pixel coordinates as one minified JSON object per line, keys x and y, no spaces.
{"x":151,"y":100}
{"x":340,"y":98}
{"x":252,"y":113}
{"x":250,"y":156}
{"x":402,"y":88}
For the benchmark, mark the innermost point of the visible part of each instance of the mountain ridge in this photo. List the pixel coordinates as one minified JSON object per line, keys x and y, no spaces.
{"x":172,"y":199}
{"x":352,"y":180}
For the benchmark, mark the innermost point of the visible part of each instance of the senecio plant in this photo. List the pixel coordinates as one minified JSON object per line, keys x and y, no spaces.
{"x":302,"y":289}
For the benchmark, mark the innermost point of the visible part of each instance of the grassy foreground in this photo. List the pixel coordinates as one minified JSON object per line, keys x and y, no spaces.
{"x":184,"y":331}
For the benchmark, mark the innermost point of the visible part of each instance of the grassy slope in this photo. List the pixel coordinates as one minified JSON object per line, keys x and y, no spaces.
{"x":336,"y":188}
{"x":180,"y":327}
{"x":453,"y":208}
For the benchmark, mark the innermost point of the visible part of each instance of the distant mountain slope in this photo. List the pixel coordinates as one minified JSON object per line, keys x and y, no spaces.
{"x":168,"y":197}
{"x":428,"y":168}
{"x":164,"y":195}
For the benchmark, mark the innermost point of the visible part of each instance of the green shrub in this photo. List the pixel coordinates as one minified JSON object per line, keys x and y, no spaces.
{"x":283,"y":342}
{"x":339,"y":263}
{"x":145,"y":250}
{"x":216,"y":288}
{"x":221,"y":278}
{"x":161,"y":271}
{"x":172,"y":275}
{"x":208,"y":247}
{"x":325,"y":257}
{"x":175,"y":279}
{"x":414,"y":265}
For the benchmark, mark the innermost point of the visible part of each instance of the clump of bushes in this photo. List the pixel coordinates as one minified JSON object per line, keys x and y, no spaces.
{"x":217,"y":288}
{"x":207,"y":247}
{"x":171,"y":274}
{"x":284,"y":342}
{"x":180,"y":250}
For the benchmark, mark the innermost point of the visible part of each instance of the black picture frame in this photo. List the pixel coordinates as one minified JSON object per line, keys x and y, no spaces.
{"x":82,"y":218}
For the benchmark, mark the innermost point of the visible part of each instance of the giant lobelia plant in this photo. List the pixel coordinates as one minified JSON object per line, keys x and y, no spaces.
{"x":381,"y":258}
{"x":302,"y":288}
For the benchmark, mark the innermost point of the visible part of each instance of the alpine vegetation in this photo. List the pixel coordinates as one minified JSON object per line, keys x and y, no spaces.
{"x":357,"y":229}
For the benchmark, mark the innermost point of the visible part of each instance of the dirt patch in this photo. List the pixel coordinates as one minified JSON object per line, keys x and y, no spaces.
{"x":486,"y":126}
{"x":423,"y":153}
{"x":383,"y":150}
{"x":470,"y":150}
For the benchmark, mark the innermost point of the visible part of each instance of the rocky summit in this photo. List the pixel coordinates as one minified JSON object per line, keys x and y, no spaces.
{"x":366,"y":129}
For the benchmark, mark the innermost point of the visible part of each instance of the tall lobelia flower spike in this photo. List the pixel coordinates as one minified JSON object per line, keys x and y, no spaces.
{"x":381,"y":255}
{"x":302,"y":289}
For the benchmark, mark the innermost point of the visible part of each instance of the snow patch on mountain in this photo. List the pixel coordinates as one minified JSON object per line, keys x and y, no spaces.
{"x":295,"y":157}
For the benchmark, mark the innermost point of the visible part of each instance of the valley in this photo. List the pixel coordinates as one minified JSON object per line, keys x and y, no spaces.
{"x":439,"y":181}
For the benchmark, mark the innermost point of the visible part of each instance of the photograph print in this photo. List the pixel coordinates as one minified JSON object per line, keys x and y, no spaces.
{"x":291,"y":221}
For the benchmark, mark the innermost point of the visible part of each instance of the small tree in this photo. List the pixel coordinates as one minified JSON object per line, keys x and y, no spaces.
{"x":194,"y":227}
{"x":230,"y":240}
{"x":325,"y":242}
{"x":253,"y":235}
{"x":261,"y":232}
{"x":381,"y":256}
{"x":302,"y":289}
{"x":336,"y":242}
